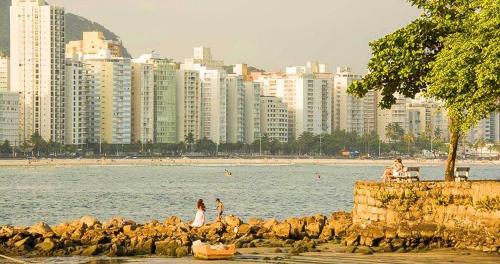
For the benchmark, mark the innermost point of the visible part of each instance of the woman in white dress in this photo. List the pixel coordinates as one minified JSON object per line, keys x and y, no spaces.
{"x":199,"y":219}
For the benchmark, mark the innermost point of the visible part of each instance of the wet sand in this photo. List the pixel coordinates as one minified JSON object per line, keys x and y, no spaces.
{"x":330,"y":253}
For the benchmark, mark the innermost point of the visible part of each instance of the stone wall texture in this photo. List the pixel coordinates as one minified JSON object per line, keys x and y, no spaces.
{"x":435,"y":214}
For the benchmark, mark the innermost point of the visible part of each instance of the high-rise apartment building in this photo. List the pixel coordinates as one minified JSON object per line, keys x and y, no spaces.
{"x":487,"y":129}
{"x":9,"y":117}
{"x":252,"y":112}
{"x":307,"y":92}
{"x":37,"y":69}
{"x":212,"y":96}
{"x":350,"y":113}
{"x":115,"y":98}
{"x":4,"y":73}
{"x":162,"y":104}
{"x":235,"y":108}
{"x":274,"y":118}
{"x":142,"y":102}
{"x":188,"y":104}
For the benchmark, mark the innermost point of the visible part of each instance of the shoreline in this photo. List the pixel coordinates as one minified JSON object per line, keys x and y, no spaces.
{"x":222,"y":161}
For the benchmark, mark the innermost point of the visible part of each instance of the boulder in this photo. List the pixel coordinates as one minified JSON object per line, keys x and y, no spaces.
{"x":297,"y":227}
{"x":46,"y":246}
{"x":23,"y":243}
{"x":90,"y":251}
{"x":255,"y":222}
{"x":269,"y":224}
{"x":166,"y":248}
{"x":232,"y":221}
{"x":40,"y":228}
{"x":364,"y":250}
{"x":89,"y":221}
{"x":352,"y":240}
{"x":61,"y":229}
{"x":129,"y":230}
{"x":115,"y":222}
{"x":313,"y":230}
{"x":282,"y":230}
{"x":244,"y":229}
{"x":173,"y":220}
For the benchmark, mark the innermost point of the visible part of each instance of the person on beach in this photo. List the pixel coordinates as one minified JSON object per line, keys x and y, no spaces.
{"x":387,"y":176}
{"x":199,"y":219}
{"x":220,"y":209}
{"x":398,"y":167}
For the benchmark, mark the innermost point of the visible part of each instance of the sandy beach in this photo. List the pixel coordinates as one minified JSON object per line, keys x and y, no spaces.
{"x":221,"y":161}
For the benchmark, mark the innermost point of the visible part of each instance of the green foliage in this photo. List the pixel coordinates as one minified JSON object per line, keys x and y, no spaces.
{"x":5,"y":147}
{"x":394,"y":132}
{"x":466,"y":73}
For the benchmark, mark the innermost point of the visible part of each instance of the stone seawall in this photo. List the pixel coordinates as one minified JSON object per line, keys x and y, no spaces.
{"x":427,"y":214}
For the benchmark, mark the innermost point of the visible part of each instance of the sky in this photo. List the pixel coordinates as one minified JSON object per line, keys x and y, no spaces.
{"x":269,"y":34}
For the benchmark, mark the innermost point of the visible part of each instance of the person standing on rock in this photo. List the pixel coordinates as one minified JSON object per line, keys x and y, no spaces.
{"x":220,"y":209}
{"x":199,"y":219}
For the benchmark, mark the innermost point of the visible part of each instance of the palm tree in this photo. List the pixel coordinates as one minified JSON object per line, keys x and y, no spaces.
{"x":408,"y":138}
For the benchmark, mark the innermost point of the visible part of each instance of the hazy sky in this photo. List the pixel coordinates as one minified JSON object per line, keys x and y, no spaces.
{"x":270,"y":34}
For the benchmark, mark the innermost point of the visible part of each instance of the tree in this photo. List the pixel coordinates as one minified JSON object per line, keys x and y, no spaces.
{"x":408,"y":139}
{"x":450,"y":53}
{"x":6,"y":147}
{"x":394,"y":132}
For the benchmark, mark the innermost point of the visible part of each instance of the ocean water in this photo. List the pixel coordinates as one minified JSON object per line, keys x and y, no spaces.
{"x":143,"y":193}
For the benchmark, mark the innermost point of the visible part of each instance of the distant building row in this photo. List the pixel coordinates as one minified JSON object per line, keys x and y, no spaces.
{"x":86,"y":92}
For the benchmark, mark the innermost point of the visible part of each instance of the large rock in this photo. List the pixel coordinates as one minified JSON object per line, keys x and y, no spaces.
{"x":47,"y":245}
{"x":62,"y":229}
{"x":232,"y":221}
{"x":173,"y":220}
{"x":40,"y":228}
{"x":23,"y":243}
{"x":244,"y":229}
{"x":269,"y":224}
{"x":313,"y":230}
{"x":90,"y":251}
{"x":255,"y":222}
{"x":89,"y":221}
{"x":115,"y":222}
{"x":282,"y":230}
{"x":166,"y":248}
{"x":297,"y":227}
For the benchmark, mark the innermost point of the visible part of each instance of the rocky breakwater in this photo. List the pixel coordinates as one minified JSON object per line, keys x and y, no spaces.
{"x":411,"y":216}
{"x":171,"y":238}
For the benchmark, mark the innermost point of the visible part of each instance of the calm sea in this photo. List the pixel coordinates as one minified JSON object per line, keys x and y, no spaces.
{"x":142,"y":193}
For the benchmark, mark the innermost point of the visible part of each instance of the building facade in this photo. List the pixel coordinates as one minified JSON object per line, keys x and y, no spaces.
{"x":92,"y":43}
{"x":143,"y":100}
{"x":252,"y":112}
{"x":350,"y":113}
{"x":37,"y":69}
{"x":115,"y":98}
{"x":235,"y":108}
{"x":4,"y":73}
{"x":9,"y":118}
{"x":188,"y":105}
{"x":274,"y":118}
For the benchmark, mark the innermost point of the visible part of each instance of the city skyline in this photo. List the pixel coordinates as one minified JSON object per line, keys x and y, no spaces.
{"x":335,"y":32}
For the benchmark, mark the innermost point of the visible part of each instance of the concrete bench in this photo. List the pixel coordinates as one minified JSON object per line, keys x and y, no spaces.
{"x":411,"y":174}
{"x":461,"y":173}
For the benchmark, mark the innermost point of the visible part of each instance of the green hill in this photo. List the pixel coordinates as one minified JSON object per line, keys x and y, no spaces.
{"x":75,"y":25}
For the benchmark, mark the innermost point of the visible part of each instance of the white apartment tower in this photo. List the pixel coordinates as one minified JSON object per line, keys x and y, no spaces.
{"x":397,"y":114}
{"x":188,"y":104}
{"x":307,"y":92}
{"x":142,"y":102}
{"x":274,"y":118}
{"x":4,"y":73}
{"x":235,"y":108}
{"x":37,"y":69}
{"x":350,"y":113}
{"x":252,"y":112}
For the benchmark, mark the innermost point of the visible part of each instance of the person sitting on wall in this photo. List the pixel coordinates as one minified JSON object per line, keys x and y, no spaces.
{"x":398,"y":168}
{"x":387,"y":176}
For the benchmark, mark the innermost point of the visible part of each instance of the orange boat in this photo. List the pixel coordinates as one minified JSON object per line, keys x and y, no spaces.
{"x":208,"y":252}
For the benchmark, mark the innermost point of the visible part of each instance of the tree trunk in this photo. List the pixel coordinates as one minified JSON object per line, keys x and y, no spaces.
{"x":452,"y":155}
